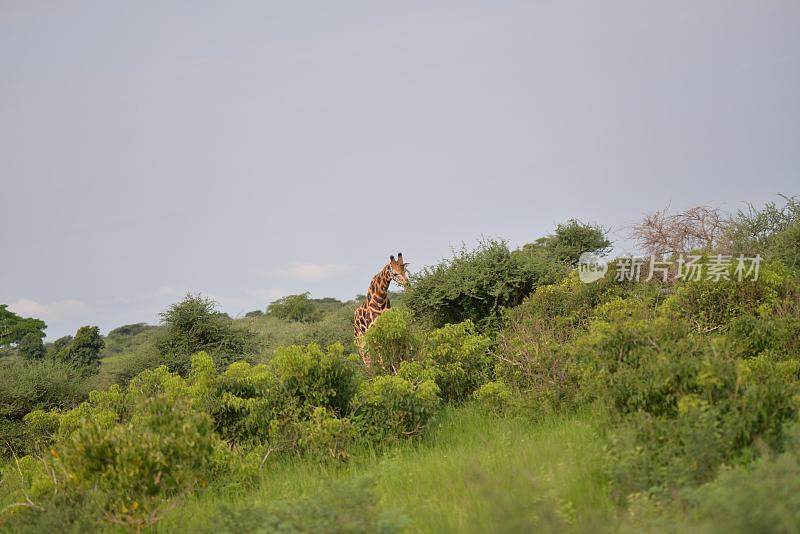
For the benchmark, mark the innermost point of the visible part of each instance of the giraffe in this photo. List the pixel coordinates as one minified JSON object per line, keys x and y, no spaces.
{"x":377,"y":300}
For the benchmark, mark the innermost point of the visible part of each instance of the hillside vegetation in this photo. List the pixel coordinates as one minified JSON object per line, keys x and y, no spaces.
{"x":506,"y":395}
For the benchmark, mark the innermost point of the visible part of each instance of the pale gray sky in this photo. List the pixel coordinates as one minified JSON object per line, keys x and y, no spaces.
{"x":251,"y":149}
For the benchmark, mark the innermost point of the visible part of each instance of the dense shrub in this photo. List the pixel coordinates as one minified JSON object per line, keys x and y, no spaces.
{"x":754,"y":231}
{"x":121,"y":368}
{"x":391,"y":339}
{"x":478,"y":284}
{"x":570,"y":240}
{"x":535,"y":350}
{"x":298,"y":308}
{"x":26,"y":386}
{"x":389,"y":407}
{"x":83,"y":350}
{"x":31,"y":347}
{"x":710,"y":305}
{"x":785,"y":247}
{"x":497,"y":397}
{"x":297,"y":402}
{"x":194,"y":325}
{"x":762,"y":497}
{"x":688,"y":404}
{"x":458,"y":358}
{"x":776,"y":337}
{"x":121,"y":454}
{"x":315,"y":377}
{"x":128,"y":338}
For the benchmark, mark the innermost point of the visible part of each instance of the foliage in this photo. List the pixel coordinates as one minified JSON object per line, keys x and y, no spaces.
{"x":496,"y":396}
{"x":299,"y":308}
{"x":458,"y":357}
{"x":57,"y":347}
{"x":26,"y":386}
{"x":785,"y":247}
{"x":534,"y":347}
{"x":710,"y":305}
{"x":389,"y":407}
{"x":194,"y":325}
{"x":315,"y":377}
{"x":31,"y":347}
{"x":570,"y":240}
{"x":478,"y":284}
{"x":762,"y":497}
{"x":128,"y":338}
{"x":754,"y":230}
{"x":121,"y":454}
{"x":391,"y":339}
{"x":689,"y":404}
{"x":14,"y":328}
{"x":83,"y":351}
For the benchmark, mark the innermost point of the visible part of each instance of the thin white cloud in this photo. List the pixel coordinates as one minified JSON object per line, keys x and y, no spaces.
{"x":54,"y":311}
{"x":313,"y":272}
{"x":268,"y":294}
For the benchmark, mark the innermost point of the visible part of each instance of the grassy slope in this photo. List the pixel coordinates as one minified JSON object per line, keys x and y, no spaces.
{"x":474,"y":472}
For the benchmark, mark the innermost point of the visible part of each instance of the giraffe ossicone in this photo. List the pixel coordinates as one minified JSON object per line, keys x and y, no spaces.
{"x":377,"y":300}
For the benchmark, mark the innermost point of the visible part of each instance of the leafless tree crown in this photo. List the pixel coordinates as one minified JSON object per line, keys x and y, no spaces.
{"x":661,"y":232}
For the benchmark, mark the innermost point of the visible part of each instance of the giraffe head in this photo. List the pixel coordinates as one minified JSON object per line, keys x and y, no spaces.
{"x":397,"y":269}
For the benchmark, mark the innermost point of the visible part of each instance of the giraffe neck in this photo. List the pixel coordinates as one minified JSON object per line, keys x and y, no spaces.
{"x":378,"y":292}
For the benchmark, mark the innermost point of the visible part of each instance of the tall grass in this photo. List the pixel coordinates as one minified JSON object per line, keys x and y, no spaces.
{"x":474,"y":473}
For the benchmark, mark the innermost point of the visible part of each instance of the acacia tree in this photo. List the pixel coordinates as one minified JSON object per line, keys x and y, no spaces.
{"x":31,"y":347}
{"x":84,"y":349}
{"x":299,"y":308}
{"x":661,"y":232}
{"x":195,"y":325}
{"x":14,"y":328}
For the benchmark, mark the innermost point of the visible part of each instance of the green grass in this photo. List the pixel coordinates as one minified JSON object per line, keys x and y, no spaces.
{"x":475,"y":472}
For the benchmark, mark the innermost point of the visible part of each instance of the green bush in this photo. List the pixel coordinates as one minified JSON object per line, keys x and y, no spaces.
{"x":299,"y":308}
{"x":31,"y":346}
{"x":785,"y":247}
{"x":650,"y":365}
{"x":461,"y":358}
{"x":26,"y":386}
{"x":762,"y":497}
{"x":83,"y":350}
{"x":570,"y":240}
{"x":710,"y":305}
{"x":497,"y":397}
{"x":194,"y":325}
{"x":478,"y":284}
{"x":315,"y":377}
{"x":756,"y":231}
{"x":325,"y":435}
{"x":775,"y":337}
{"x":390,"y":340}
{"x":535,"y":347}
{"x":389,"y":407}
{"x":122,"y":454}
{"x":688,"y":404}
{"x":298,"y":401}
{"x":128,"y":470}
